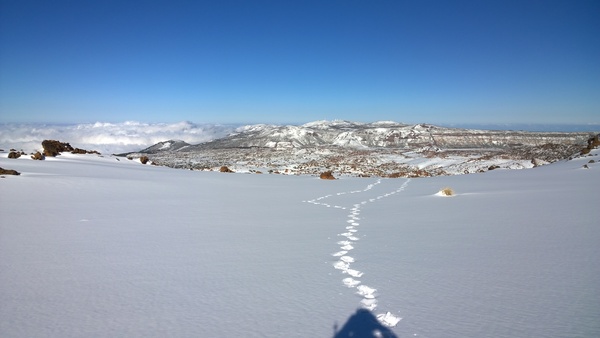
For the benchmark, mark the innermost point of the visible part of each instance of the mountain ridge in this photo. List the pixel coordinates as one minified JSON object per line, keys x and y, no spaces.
{"x":379,"y":148}
{"x":384,"y":134}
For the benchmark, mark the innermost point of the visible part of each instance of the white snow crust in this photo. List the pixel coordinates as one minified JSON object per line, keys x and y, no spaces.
{"x":95,"y":246}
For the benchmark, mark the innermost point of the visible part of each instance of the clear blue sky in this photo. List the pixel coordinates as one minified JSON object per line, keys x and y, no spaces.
{"x":296,"y":61}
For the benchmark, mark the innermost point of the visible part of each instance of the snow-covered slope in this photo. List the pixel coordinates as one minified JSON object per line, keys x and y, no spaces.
{"x":170,"y":145}
{"x":105,"y":247}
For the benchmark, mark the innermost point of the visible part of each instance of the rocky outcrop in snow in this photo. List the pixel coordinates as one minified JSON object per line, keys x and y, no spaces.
{"x":9,"y":172}
{"x":14,"y":154}
{"x":53,"y":148}
{"x":37,"y":156}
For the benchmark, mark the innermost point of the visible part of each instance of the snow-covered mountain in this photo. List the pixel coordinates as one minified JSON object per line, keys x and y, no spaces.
{"x":363,"y":149}
{"x":384,"y":134}
{"x":171,"y":145}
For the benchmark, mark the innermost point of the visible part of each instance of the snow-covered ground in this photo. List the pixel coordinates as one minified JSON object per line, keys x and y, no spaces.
{"x":104,"y":247}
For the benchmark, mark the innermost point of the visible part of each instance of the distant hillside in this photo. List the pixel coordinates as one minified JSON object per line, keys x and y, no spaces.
{"x":381,"y":148}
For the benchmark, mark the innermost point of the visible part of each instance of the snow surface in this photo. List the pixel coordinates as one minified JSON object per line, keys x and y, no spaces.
{"x":96,"y":246}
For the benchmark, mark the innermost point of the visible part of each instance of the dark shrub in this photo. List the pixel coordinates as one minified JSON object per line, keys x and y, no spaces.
{"x":328,"y":175}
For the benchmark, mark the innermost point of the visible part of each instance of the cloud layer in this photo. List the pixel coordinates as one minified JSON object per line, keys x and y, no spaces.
{"x":108,"y":138}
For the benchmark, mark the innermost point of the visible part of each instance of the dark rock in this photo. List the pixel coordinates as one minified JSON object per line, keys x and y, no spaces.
{"x":144,"y":159}
{"x":83,"y":151}
{"x":9,"y":172}
{"x":224,"y":169}
{"x":593,"y":142}
{"x":53,"y":148}
{"x":79,"y":151}
{"x":14,"y":154}
{"x":37,"y":156}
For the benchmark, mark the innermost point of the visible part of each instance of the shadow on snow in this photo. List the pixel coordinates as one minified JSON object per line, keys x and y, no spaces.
{"x":363,"y":324}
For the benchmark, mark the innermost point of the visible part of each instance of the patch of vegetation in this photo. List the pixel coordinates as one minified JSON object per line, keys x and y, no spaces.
{"x":328,"y":175}
{"x":592,"y":143}
{"x":447,"y":191}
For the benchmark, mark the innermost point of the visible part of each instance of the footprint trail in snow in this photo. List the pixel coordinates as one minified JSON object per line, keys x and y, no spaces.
{"x":349,"y":238}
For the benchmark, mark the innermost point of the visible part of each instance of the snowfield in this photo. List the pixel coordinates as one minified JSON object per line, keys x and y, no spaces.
{"x":95,"y":246}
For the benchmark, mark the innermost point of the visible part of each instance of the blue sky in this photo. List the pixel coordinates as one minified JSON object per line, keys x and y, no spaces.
{"x":299,"y":61}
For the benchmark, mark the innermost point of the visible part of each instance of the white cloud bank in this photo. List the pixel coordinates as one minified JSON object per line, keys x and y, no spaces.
{"x":108,"y":138}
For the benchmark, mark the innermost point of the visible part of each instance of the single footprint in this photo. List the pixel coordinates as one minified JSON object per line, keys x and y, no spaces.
{"x":339,"y":253}
{"x":388,"y":319}
{"x":350,"y":282}
{"x":341,"y":265}
{"x":366,"y":292}
{"x":354,"y":273}
{"x":369,"y":304}
{"x":347,"y":259}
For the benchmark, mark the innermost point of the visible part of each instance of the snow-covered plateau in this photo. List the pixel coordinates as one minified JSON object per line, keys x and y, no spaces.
{"x":102,"y":246}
